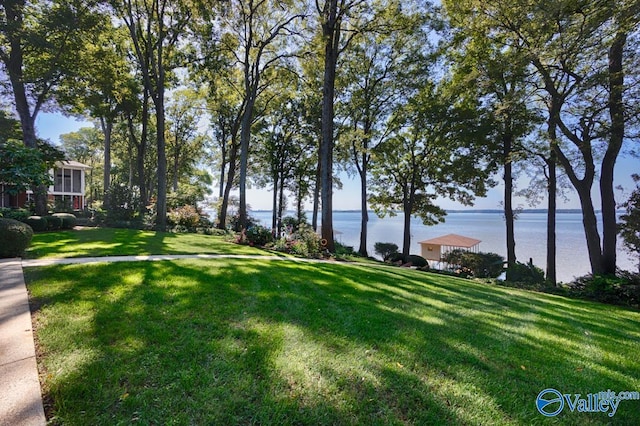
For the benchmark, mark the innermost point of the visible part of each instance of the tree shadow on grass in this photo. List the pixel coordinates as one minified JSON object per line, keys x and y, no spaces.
{"x":234,"y":342}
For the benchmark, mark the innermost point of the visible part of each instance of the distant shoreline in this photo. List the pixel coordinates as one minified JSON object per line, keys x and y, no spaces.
{"x":540,"y":211}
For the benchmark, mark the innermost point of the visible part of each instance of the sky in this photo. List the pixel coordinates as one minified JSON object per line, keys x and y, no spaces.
{"x":51,"y":125}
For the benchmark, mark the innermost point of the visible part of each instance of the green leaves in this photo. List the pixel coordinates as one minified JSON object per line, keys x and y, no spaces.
{"x":22,"y":168}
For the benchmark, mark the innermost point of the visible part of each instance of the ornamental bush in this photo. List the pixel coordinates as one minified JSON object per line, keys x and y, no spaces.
{"x":17,"y":214}
{"x":417,"y":260}
{"x":526,"y":273}
{"x":480,"y":265}
{"x":184,"y":216}
{"x":258,"y":235}
{"x":68,"y":220}
{"x":37,"y":223}
{"x":54,"y":223}
{"x":15,"y":236}
{"x":385,"y":250}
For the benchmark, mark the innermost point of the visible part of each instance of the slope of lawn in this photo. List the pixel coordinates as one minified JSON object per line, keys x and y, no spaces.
{"x":230,"y":341}
{"x":85,"y":242}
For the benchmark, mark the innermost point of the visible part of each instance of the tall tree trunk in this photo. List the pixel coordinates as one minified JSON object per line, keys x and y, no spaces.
{"x":364,"y":213}
{"x":590,"y":224}
{"x":331,"y":33}
{"x":161,"y":203}
{"x":14,"y":64}
{"x":507,"y":146}
{"x":223,"y":153}
{"x":231,"y":175}
{"x":274,"y":211}
{"x":107,"y":127}
{"x":406,"y":233}
{"x":280,"y":204}
{"x":616,"y":112}
{"x":316,"y":198}
{"x":245,"y":136}
{"x":552,"y":190}
{"x":551,"y":220}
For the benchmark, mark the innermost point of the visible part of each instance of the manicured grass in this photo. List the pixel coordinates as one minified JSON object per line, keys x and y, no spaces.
{"x":116,"y":242}
{"x":231,"y":341}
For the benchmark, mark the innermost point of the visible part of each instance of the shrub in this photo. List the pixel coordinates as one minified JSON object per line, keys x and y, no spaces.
{"x":306,"y":234}
{"x":526,"y":273}
{"x":623,"y":289}
{"x":37,"y":223}
{"x":417,"y":260}
{"x":16,"y":214}
{"x":15,"y":236}
{"x":123,"y":203}
{"x":304,"y":242}
{"x":258,"y":235}
{"x":185,"y":216}
{"x":342,"y":250}
{"x":68,"y":220}
{"x":299,"y":248}
{"x":54,"y":223}
{"x":413,"y":259}
{"x":234,"y":222}
{"x":479,"y":265}
{"x":293,"y":223}
{"x":385,"y":250}
{"x":397,"y":257}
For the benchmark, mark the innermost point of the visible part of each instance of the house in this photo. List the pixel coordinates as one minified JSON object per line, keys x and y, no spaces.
{"x":66,"y":193}
{"x":435,"y":248}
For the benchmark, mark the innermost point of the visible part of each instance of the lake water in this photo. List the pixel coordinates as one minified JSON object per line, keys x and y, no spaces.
{"x":489,"y":227}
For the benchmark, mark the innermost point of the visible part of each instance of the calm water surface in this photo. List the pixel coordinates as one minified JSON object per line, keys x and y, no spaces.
{"x":489,"y":227}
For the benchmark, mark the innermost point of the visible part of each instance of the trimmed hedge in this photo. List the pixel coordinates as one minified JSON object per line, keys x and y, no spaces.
{"x":54,"y":223}
{"x":68,"y":220}
{"x":37,"y":223}
{"x":414,"y":259}
{"x":15,"y":236}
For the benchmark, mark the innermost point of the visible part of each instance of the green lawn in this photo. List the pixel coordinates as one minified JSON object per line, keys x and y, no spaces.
{"x":230,"y":341}
{"x":119,"y":242}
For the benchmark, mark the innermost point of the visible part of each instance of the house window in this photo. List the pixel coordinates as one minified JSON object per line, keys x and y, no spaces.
{"x":77,"y":187}
{"x":67,"y":180}
{"x":57,"y":186}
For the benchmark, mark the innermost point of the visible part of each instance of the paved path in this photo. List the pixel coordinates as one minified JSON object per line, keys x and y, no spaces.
{"x":20,"y":397}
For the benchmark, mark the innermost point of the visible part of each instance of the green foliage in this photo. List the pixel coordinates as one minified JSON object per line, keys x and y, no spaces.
{"x":37,"y":223}
{"x":185,"y":216}
{"x":623,"y":289}
{"x":123,"y":203}
{"x":234,"y":221}
{"x":17,"y":214}
{"x":68,"y":220}
{"x":22,"y":167}
{"x":303,"y":242}
{"x":478,"y":265}
{"x":417,"y":260}
{"x":412,"y":259}
{"x":292,"y":223}
{"x":385,"y":250}
{"x":54,"y":223}
{"x":526,"y":273}
{"x":15,"y":237}
{"x":629,"y":225}
{"x":258,"y":235}
{"x":342,"y":250}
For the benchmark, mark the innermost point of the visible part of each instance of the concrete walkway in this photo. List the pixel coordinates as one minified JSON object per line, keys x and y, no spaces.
{"x":20,"y":397}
